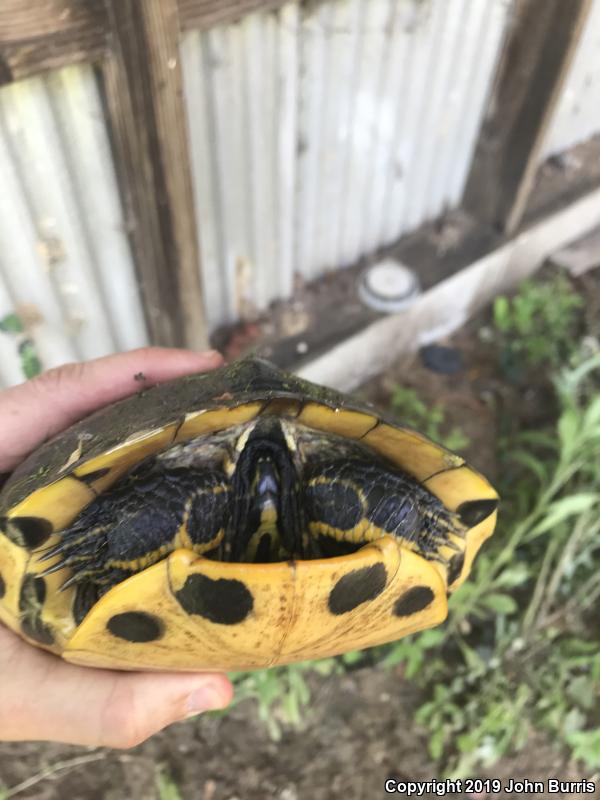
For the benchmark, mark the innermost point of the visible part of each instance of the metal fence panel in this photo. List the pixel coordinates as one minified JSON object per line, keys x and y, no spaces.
{"x":66,"y":274}
{"x":577,"y":116}
{"x":323,"y":131}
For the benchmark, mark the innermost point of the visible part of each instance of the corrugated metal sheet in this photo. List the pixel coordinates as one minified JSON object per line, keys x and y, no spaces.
{"x":65,"y":267}
{"x":325,"y":130}
{"x":577,"y":116}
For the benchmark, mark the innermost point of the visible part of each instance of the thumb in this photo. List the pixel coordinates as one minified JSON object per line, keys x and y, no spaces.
{"x":43,"y":697}
{"x":141,"y":704}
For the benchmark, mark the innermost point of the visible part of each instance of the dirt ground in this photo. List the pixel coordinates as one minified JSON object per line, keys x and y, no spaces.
{"x":359,"y":733}
{"x":360,"y":730}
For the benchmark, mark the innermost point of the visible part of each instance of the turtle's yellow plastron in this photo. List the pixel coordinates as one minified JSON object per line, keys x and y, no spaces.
{"x":238,"y":519}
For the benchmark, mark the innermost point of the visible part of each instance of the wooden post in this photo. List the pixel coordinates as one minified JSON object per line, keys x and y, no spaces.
{"x":144,"y":97}
{"x":538,"y":52}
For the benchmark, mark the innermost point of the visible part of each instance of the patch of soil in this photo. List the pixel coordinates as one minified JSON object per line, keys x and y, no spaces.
{"x":478,"y":399}
{"x":359,"y":733}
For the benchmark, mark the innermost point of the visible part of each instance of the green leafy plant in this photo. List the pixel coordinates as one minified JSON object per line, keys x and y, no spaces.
{"x":430,"y":419}
{"x":166,"y":787}
{"x":31,"y":365}
{"x":524,"y":657}
{"x":282,"y":693}
{"x":537,"y":326}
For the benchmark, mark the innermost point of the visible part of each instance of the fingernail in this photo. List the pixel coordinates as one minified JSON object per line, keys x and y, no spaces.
{"x":211,"y":354}
{"x":206,"y":698}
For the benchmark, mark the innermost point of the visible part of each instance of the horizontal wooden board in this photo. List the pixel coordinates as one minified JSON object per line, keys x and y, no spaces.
{"x":47,"y":34}
{"x":202,"y":14}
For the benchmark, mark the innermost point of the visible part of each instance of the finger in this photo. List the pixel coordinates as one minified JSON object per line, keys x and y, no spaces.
{"x":46,"y":699}
{"x":34,"y":411}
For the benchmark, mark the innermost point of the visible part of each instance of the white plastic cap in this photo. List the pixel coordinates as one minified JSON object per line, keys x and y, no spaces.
{"x":388,"y":286}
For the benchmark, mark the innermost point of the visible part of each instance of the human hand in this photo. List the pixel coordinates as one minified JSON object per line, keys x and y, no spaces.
{"x":43,"y":697}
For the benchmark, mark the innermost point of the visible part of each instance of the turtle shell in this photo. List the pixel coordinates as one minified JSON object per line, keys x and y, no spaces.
{"x":187,"y":611}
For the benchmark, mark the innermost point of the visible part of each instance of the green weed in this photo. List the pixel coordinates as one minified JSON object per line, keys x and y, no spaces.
{"x":282,"y":693}
{"x":166,"y":787}
{"x":430,"y":420}
{"x":536,"y":327}
{"x":31,"y":365}
{"x":523,"y":655}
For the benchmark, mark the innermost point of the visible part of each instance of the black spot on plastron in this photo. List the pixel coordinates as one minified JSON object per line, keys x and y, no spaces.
{"x":2,"y":587}
{"x":35,"y":629}
{"x":224,"y":601}
{"x":357,"y":587}
{"x":455,"y":567}
{"x":475,"y":511}
{"x":90,"y":477}
{"x":136,"y":626}
{"x":32,"y":594}
{"x":40,"y":589}
{"x":30,"y":532}
{"x":412,"y":601}
{"x":31,"y":599}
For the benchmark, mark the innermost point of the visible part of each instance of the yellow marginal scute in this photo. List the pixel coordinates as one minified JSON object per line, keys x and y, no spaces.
{"x":59,"y":502}
{"x":198,"y":422}
{"x":457,"y":486}
{"x":341,"y":421}
{"x":413,"y":453}
{"x":13,"y":564}
{"x":123,"y":457}
{"x":454,"y":488}
{"x":475,"y":537}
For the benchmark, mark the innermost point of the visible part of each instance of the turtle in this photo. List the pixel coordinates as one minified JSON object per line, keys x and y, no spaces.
{"x":237,"y":519}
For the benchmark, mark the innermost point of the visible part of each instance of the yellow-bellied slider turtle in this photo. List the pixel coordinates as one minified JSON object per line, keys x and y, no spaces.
{"x":236,"y":519}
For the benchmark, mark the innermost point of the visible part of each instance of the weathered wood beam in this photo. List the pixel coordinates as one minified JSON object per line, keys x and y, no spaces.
{"x":202,"y":14}
{"x":539,"y":48}
{"x":144,"y":97}
{"x":45,"y":34}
